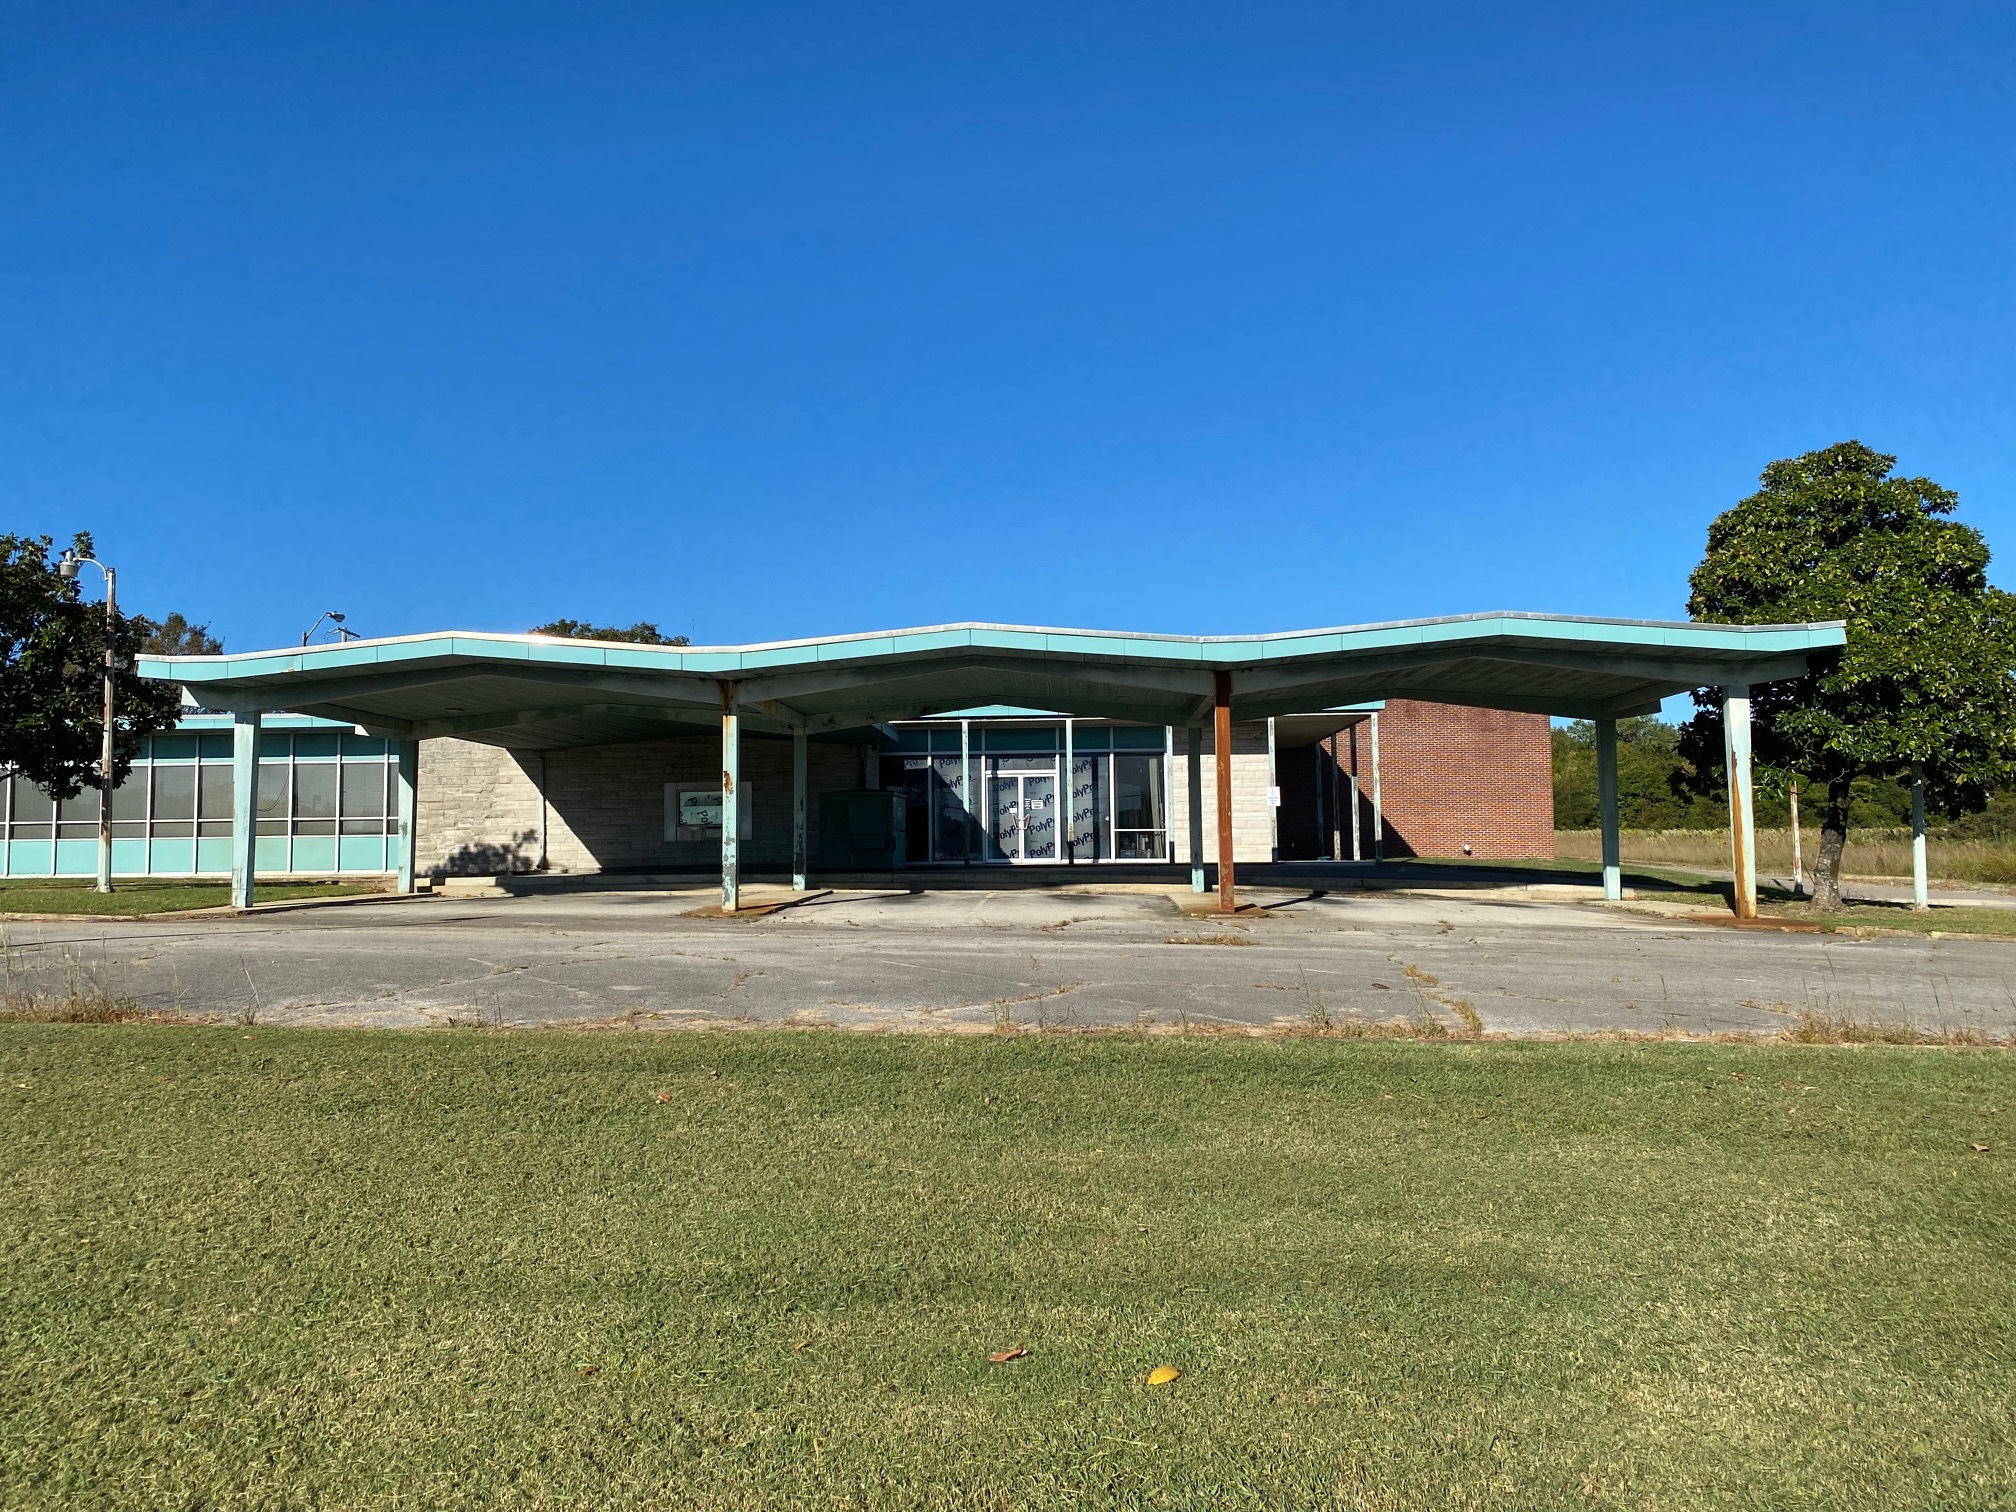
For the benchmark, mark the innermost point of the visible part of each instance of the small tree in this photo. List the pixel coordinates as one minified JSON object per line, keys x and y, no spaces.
{"x":175,"y":636}
{"x":643,"y":633}
{"x":52,"y":656}
{"x":1927,"y":679}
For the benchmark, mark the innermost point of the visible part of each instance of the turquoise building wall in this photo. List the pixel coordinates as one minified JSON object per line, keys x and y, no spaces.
{"x":326,"y":807}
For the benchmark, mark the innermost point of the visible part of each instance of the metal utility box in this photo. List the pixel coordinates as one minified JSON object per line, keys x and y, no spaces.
{"x":862,"y":830}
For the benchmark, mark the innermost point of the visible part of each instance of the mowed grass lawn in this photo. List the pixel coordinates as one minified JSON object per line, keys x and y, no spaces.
{"x":271,"y":1269}
{"x":151,"y":895}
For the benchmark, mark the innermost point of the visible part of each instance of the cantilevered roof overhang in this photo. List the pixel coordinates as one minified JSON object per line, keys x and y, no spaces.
{"x":534,"y":692}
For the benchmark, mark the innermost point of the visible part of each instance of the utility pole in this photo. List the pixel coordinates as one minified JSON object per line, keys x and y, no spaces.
{"x":67,"y":567}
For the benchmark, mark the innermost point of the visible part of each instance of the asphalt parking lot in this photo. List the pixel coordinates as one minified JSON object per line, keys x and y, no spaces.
{"x":991,"y":960}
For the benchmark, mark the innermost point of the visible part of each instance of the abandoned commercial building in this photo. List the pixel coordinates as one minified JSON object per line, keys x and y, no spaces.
{"x":1435,"y":780}
{"x":864,"y":753}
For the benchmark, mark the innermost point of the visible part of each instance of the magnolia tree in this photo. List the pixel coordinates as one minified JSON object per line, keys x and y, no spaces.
{"x":52,"y":668}
{"x":1926,"y":684}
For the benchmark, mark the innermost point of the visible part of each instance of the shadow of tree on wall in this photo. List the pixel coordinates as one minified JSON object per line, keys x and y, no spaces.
{"x":519,"y":853}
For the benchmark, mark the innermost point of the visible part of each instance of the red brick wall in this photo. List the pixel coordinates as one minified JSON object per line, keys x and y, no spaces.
{"x":1451,"y":776}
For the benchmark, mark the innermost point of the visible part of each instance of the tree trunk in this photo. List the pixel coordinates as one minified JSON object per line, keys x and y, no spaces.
{"x":1833,"y":836}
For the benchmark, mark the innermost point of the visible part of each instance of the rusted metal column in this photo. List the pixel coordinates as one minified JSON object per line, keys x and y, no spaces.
{"x":1742,"y":832}
{"x":731,"y":782}
{"x":1221,"y":716}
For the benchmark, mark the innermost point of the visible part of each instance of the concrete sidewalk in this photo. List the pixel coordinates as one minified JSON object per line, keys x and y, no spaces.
{"x":990,"y":959}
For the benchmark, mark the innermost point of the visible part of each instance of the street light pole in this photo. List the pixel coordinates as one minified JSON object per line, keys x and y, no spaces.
{"x":66,"y":567}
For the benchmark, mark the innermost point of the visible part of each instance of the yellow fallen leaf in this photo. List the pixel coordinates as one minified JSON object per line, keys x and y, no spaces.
{"x":1162,"y":1375}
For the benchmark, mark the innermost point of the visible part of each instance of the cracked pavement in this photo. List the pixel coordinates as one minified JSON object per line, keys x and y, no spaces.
{"x":985,"y":960}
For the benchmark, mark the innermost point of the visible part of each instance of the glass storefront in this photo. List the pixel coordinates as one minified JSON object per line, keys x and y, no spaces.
{"x":328,"y":802}
{"x":1113,"y":807}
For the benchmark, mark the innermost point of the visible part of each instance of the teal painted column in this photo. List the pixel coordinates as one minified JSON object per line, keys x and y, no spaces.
{"x":1606,"y":809}
{"x":731,"y":783}
{"x":244,"y":804}
{"x":409,"y":786}
{"x":800,"y":762}
{"x":1195,"y":754}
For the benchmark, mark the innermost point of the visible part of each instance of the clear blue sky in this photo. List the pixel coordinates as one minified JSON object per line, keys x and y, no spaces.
{"x":765,"y":321}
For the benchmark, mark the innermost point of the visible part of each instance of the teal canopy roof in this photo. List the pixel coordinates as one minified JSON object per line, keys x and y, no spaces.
{"x":537,"y":692}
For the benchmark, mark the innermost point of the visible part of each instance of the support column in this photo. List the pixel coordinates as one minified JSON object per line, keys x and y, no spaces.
{"x":1606,"y":809}
{"x":1068,"y":800}
{"x":1221,"y":731}
{"x":1196,"y":807}
{"x":1378,"y":812}
{"x":244,"y":804}
{"x":1921,"y":899}
{"x":1273,"y":795}
{"x":800,"y":763}
{"x":1322,"y":803}
{"x":1742,"y":825}
{"x":731,"y":784}
{"x":407,"y":761}
{"x":1357,"y":802}
{"x":968,"y":803}
{"x":542,"y":812}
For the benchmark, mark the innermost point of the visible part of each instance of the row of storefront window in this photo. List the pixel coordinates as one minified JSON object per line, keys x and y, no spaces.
{"x":327,"y":802}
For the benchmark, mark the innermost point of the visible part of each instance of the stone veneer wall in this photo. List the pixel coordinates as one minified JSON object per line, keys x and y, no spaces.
{"x":478,"y":805}
{"x":1252,"y":817}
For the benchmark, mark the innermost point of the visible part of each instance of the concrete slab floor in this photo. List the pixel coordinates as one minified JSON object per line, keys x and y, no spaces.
{"x":984,"y":960}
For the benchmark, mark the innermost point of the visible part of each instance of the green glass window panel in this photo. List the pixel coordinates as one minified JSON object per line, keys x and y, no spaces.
{"x":1140,"y":738}
{"x":272,"y":799}
{"x":1034,"y":738}
{"x":363,"y":790}
{"x":179,"y":745}
{"x":316,"y":744}
{"x":270,"y":853}
{"x":174,"y":793}
{"x":31,"y":858}
{"x":913,"y":740}
{"x":169,"y":856}
{"x":76,"y":858}
{"x":213,"y":793}
{"x":314,"y":791}
{"x":30,"y":804}
{"x":213,"y":855}
{"x":275,"y":747}
{"x":364,"y":745}
{"x":1137,"y":793}
{"x":129,"y":857}
{"x":214,"y":745}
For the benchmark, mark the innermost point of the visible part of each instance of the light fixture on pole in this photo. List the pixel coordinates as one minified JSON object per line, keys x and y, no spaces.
{"x":67,"y":567}
{"x":335,"y":619}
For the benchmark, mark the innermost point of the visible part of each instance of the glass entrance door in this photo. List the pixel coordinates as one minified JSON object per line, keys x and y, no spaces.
{"x":1022,"y":808}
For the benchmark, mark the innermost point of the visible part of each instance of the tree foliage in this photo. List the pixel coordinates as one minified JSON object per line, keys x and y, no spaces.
{"x":1925,"y":680}
{"x":1653,"y":790}
{"x":175,"y":636}
{"x":643,"y":633}
{"x":52,"y":650}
